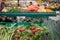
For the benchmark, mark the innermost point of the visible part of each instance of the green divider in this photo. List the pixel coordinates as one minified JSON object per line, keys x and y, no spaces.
{"x":28,"y":23}
{"x":28,"y":14}
{"x":9,"y":24}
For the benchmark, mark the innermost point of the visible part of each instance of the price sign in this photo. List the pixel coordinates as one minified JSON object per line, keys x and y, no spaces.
{"x":20,"y":18}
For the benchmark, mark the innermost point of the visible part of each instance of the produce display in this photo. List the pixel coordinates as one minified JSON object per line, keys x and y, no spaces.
{"x":6,"y":33}
{"x":7,"y":19}
{"x":30,"y":32}
{"x":12,"y":19}
{"x":15,"y":28}
{"x":32,"y":8}
{"x":29,"y":7}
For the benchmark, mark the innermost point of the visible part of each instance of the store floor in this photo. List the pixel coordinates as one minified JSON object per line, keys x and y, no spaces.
{"x":54,"y":28}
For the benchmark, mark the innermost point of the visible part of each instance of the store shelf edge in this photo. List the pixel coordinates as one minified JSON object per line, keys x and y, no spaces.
{"x":27,"y":14}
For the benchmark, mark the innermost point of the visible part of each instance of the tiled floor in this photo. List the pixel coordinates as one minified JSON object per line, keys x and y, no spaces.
{"x":54,"y":28}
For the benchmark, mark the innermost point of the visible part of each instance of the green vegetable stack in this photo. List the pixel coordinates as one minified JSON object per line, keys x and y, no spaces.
{"x":30,"y":32}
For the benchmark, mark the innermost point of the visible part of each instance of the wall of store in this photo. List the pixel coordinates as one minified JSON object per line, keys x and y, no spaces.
{"x":54,"y":28}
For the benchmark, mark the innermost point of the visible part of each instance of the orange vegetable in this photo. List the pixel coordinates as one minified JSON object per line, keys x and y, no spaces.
{"x":49,"y":10}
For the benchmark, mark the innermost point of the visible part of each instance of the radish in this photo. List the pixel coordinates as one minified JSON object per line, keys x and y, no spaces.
{"x":28,"y":39}
{"x":22,"y":31}
{"x":18,"y":37}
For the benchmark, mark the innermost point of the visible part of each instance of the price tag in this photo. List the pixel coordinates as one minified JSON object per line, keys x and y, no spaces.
{"x":57,"y":12}
{"x":20,"y":18}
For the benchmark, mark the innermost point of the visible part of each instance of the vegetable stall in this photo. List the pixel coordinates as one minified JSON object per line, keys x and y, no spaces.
{"x":24,"y":20}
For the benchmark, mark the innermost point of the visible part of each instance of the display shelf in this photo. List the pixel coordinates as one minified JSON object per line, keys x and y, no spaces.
{"x":27,"y":14}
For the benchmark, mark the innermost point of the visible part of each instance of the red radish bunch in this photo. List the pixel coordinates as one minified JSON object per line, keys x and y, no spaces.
{"x":28,"y":39}
{"x":30,"y":33}
{"x":22,"y":31}
{"x":39,"y":30}
{"x":34,"y":29}
{"x":18,"y":37}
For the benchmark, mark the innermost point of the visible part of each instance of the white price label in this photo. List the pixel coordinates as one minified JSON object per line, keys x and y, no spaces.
{"x":57,"y":12}
{"x":20,"y":18}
